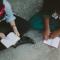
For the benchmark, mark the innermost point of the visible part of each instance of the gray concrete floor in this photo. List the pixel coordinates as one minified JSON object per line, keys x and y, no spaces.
{"x":26,"y":8}
{"x":38,"y":51}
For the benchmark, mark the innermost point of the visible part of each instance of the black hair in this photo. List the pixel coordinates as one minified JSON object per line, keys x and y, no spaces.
{"x":51,"y":6}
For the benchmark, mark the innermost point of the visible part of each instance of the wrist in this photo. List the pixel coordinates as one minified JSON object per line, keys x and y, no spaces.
{"x":14,"y":28}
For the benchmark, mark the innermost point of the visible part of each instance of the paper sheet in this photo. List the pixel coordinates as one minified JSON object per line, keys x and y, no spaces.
{"x":10,"y":40}
{"x":53,"y":42}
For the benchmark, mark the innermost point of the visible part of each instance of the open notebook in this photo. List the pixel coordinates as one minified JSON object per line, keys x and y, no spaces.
{"x":10,"y":40}
{"x":53,"y":42}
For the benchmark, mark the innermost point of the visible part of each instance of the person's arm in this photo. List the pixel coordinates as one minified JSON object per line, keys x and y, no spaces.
{"x":10,"y":18}
{"x":46,"y":22}
{"x":47,"y":28}
{"x":13,"y":25}
{"x":55,"y":33}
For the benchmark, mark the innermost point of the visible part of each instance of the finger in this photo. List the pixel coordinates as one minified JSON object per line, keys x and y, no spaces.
{"x":17,"y":33}
{"x":51,"y":36}
{"x":46,"y":37}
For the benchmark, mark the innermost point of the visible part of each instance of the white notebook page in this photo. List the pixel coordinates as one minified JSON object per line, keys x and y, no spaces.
{"x":53,"y":42}
{"x":10,"y":40}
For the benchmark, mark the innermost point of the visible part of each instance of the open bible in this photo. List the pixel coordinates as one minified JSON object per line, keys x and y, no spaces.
{"x":10,"y":39}
{"x":53,"y":42}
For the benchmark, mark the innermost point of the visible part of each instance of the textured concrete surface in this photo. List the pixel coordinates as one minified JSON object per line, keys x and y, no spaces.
{"x":26,"y":8}
{"x":38,"y":51}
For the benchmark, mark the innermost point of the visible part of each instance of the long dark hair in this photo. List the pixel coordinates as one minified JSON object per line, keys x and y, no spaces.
{"x":51,"y":6}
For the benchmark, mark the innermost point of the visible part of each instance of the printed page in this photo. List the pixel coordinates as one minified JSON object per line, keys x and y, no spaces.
{"x":53,"y":42}
{"x":10,"y":40}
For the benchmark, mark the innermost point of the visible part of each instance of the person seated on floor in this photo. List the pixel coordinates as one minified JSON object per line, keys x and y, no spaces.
{"x":48,"y":19}
{"x":6,"y":14}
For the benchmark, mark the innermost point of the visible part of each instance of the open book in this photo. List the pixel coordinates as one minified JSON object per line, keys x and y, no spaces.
{"x":53,"y":42}
{"x":10,"y":40}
